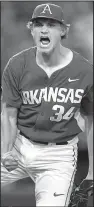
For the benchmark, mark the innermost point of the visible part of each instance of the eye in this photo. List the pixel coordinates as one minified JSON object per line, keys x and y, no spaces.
{"x":37,"y":24}
{"x":51,"y":24}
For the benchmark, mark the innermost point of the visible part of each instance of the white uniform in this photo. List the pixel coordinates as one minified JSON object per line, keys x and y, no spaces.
{"x":52,"y":168}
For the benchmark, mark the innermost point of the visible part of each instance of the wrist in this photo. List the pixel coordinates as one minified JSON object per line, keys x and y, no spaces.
{"x":6,"y":155}
{"x":89,"y":175}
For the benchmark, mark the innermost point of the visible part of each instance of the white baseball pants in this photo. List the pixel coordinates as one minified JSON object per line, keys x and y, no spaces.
{"x":52,"y":168}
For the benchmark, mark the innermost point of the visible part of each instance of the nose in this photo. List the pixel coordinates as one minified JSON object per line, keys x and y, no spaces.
{"x":44,"y":29}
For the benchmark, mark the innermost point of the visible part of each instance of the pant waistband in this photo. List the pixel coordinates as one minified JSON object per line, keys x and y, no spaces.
{"x":46,"y":143}
{"x":51,"y":143}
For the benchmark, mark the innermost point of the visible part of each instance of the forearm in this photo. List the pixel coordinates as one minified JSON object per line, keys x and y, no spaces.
{"x":8,"y":131}
{"x":90,"y":145}
{"x":90,"y":149}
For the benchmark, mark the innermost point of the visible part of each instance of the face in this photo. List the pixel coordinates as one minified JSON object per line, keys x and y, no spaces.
{"x":46,"y":34}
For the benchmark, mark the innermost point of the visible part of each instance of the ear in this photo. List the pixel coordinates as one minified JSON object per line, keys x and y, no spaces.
{"x":32,"y":31}
{"x":30,"y":26}
{"x":65,"y":30}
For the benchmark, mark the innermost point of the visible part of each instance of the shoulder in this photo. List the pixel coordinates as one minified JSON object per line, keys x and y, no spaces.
{"x":17,"y":62}
{"x":21,"y":56}
{"x":83,"y":65}
{"x":81,"y":68}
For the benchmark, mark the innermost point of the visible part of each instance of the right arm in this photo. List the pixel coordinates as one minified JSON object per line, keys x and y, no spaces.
{"x":11,"y":102}
{"x":8,"y":128}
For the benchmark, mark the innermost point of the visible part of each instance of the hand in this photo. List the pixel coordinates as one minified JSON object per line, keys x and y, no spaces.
{"x":82,"y":194}
{"x":9,"y":162}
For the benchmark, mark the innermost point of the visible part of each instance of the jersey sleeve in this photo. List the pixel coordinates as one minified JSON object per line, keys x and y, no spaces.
{"x":10,"y":86}
{"x":87,"y":100}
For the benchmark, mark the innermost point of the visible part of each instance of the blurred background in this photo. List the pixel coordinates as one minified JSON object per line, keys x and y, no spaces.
{"x":16,"y":37}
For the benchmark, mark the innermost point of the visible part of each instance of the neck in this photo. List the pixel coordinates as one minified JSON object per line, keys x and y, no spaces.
{"x":52,"y":59}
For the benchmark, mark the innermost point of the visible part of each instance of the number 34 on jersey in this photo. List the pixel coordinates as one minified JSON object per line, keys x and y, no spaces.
{"x":59,"y":115}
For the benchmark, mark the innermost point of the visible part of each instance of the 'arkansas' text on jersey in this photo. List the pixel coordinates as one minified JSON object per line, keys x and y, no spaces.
{"x":52,"y":94}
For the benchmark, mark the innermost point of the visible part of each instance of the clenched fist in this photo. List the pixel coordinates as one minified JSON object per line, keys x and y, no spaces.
{"x":9,"y":162}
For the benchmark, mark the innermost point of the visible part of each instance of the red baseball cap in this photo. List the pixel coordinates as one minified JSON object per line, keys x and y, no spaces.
{"x":49,"y":11}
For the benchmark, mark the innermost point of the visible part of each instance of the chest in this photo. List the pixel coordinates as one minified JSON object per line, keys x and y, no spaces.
{"x":61,"y":88}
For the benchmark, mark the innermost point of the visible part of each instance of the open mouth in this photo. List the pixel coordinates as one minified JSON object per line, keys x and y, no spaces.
{"x":45,"y":41}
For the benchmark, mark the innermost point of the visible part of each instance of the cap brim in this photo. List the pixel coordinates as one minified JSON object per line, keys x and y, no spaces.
{"x":46,"y":17}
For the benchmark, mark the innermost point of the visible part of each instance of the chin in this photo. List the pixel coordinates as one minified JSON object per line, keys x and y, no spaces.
{"x":46,"y":50}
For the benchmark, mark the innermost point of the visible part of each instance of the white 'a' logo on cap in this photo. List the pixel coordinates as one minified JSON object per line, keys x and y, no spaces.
{"x":47,"y":8}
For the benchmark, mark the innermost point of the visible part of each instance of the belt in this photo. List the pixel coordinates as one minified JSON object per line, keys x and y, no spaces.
{"x":51,"y":143}
{"x":45,"y":143}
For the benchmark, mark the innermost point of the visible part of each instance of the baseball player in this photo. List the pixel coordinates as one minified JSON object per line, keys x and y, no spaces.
{"x":46,"y":93}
